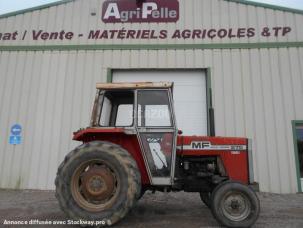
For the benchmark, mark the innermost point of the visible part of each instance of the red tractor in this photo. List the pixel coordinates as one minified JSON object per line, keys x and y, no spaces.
{"x":133,"y":145}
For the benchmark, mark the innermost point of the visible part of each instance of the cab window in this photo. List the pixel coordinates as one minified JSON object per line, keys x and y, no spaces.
{"x":117,"y":109}
{"x":154,"y":109}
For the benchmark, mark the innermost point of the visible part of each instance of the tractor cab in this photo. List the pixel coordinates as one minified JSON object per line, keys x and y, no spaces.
{"x":146,"y":110}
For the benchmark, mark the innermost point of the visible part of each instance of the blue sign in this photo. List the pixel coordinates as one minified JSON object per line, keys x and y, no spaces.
{"x":15,"y":140}
{"x":16,"y":129}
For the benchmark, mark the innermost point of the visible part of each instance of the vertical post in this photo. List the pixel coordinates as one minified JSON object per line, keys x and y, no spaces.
{"x":210,"y":109}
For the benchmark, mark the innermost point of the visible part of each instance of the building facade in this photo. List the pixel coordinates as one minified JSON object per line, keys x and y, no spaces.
{"x":243,"y":59}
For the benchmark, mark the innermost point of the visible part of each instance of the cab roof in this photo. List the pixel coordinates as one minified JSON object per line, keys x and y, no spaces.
{"x":135,"y":85}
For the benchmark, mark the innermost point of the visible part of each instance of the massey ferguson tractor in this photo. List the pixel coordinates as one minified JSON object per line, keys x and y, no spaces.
{"x":133,"y":145}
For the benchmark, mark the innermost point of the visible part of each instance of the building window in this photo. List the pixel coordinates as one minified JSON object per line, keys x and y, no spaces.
{"x":298,"y":140}
{"x":299,"y":133}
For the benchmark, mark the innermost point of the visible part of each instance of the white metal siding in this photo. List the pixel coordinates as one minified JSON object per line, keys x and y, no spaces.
{"x":51,"y":94}
{"x":189,"y":95}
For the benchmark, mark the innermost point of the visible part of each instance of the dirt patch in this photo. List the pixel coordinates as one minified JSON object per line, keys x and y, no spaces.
{"x":153,"y":210}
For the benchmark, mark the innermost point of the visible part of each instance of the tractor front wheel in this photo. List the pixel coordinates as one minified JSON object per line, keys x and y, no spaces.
{"x":98,"y":182}
{"x":235,"y":205}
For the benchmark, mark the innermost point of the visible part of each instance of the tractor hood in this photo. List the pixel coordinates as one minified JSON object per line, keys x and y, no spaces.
{"x":212,"y":143}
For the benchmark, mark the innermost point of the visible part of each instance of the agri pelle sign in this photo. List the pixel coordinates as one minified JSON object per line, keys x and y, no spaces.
{"x":136,"y":11}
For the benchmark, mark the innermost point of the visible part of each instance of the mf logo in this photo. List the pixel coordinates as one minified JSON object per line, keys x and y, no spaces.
{"x":200,"y":145}
{"x":130,"y":11}
{"x":205,"y":145}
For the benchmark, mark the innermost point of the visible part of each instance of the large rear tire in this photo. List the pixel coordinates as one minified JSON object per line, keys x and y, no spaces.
{"x":98,"y":181}
{"x":235,"y":205}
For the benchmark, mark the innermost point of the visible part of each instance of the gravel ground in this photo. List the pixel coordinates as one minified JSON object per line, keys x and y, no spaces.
{"x":153,"y":210}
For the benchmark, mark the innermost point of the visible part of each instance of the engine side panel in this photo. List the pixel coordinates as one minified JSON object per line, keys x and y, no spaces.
{"x":232,"y":151}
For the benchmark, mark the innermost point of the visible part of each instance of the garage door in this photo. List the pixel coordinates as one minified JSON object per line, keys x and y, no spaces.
{"x":189,"y":95}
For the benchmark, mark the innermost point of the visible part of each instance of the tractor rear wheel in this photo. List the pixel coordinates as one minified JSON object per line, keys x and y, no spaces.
{"x":235,"y":205}
{"x":98,"y":181}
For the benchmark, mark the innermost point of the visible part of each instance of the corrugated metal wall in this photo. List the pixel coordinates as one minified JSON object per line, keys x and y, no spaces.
{"x":51,"y":94}
{"x":256,"y":92}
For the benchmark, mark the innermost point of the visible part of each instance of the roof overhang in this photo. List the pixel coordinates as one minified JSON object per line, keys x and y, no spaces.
{"x":134,"y":85}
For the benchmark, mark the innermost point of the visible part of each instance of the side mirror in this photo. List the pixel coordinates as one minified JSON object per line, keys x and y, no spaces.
{"x":180,"y":132}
